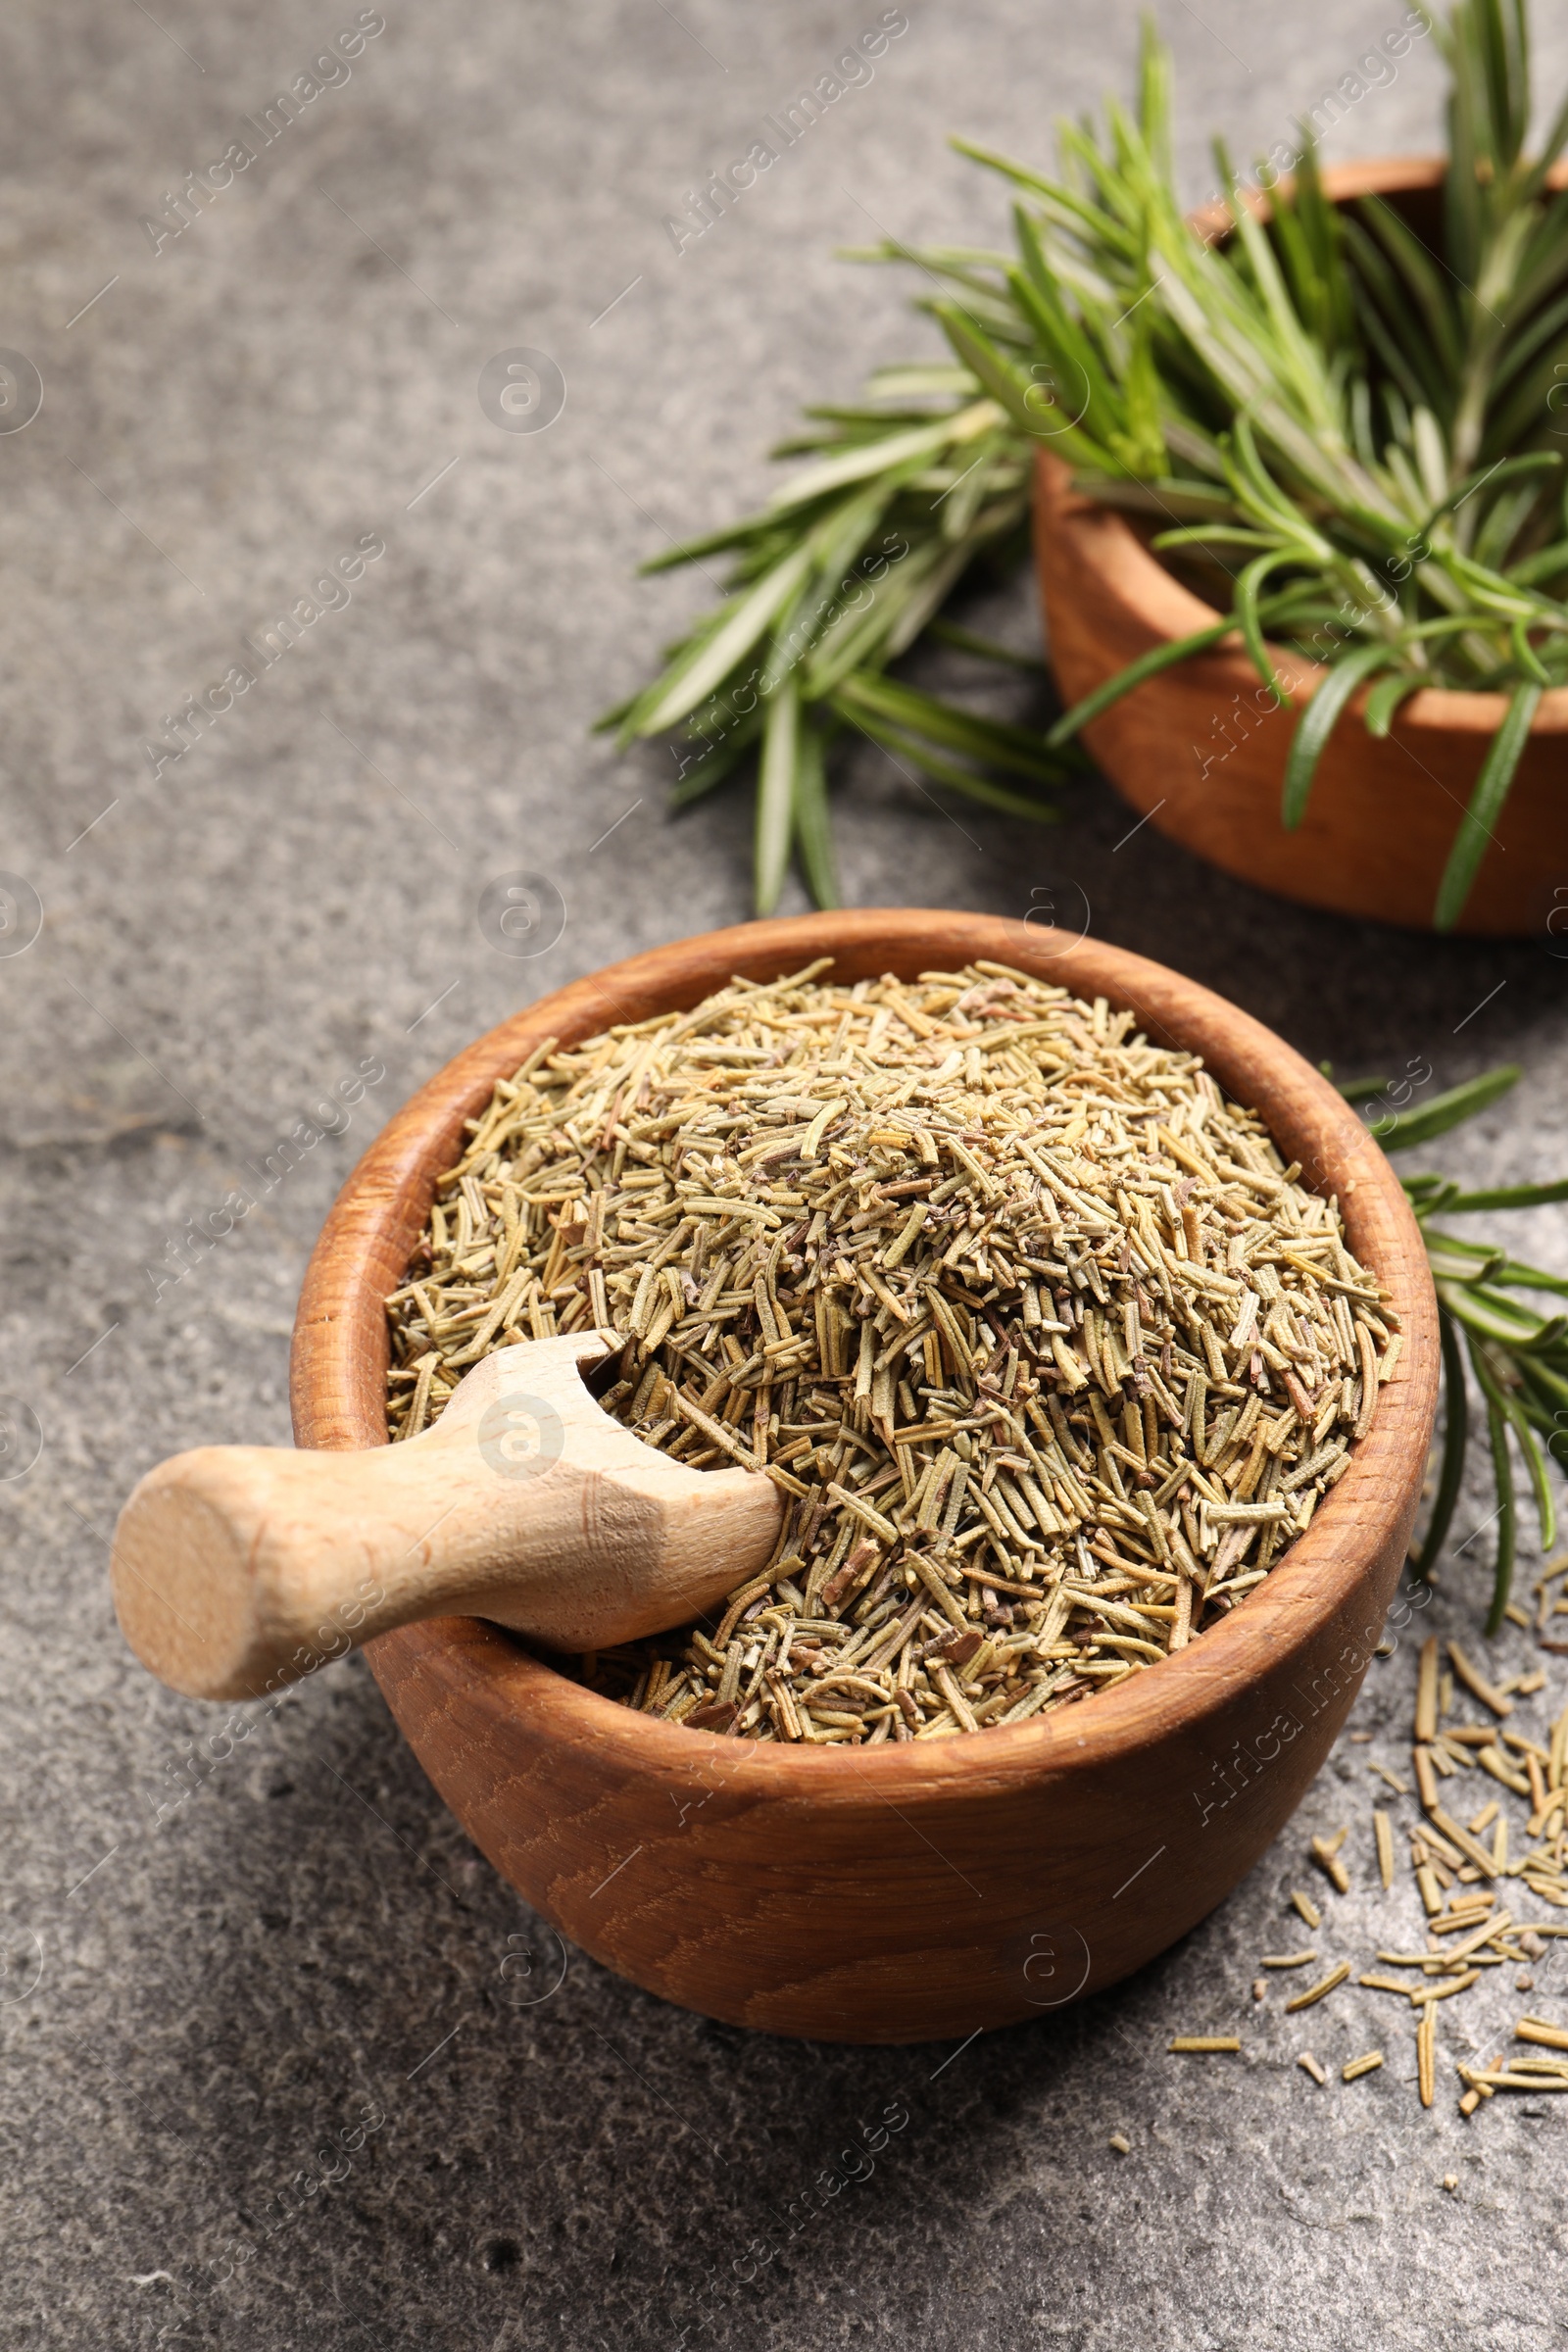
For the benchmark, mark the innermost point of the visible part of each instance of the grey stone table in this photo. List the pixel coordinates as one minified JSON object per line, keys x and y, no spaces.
{"x":215,"y":1964}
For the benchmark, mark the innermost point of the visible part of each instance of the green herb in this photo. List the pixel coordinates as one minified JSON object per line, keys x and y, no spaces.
{"x":1517,"y":1356}
{"x":1350,"y":438}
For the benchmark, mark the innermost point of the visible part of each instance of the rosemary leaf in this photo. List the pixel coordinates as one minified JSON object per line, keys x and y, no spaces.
{"x":1486,"y":806}
{"x":1317,"y":723}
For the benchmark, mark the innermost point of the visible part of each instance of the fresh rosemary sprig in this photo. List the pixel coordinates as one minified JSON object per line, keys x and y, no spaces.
{"x":1350,"y":440}
{"x":1517,"y":1356}
{"x":842,"y":572}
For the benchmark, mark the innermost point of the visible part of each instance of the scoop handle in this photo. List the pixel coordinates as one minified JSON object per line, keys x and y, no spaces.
{"x":239,"y":1568}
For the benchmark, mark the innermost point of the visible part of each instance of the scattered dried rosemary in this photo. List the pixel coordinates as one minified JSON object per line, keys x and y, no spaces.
{"x":1458,"y":1876}
{"x":1051,"y":1355}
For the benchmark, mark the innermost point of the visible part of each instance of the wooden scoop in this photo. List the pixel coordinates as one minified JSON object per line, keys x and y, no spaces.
{"x":239,"y":1568}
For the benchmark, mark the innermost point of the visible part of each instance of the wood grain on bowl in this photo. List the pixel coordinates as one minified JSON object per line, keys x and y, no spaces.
{"x":919,"y":1890}
{"x":1201,"y":749}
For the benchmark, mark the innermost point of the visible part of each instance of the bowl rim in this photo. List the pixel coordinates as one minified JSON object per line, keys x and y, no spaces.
{"x":1099,"y":538}
{"x":340,"y":1352}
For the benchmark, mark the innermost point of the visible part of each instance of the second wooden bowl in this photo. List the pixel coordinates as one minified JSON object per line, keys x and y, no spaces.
{"x":1200,"y":749}
{"x":908,"y":1891}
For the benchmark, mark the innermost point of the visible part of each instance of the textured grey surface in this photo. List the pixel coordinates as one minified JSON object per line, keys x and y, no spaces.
{"x":197,"y":1993}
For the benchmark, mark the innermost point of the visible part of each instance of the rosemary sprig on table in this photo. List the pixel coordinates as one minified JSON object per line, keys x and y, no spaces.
{"x":846,"y":567}
{"x":1517,"y":1356}
{"x":1349,"y":439}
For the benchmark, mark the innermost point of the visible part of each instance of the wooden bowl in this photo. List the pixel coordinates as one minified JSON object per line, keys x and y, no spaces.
{"x":1199,"y":752}
{"x":910,"y":1891}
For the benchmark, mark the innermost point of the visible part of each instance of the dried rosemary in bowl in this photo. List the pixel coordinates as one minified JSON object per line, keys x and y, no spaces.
{"x":1051,"y":1355}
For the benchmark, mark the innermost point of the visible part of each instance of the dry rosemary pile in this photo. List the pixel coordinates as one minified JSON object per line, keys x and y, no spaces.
{"x":1050,"y":1353}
